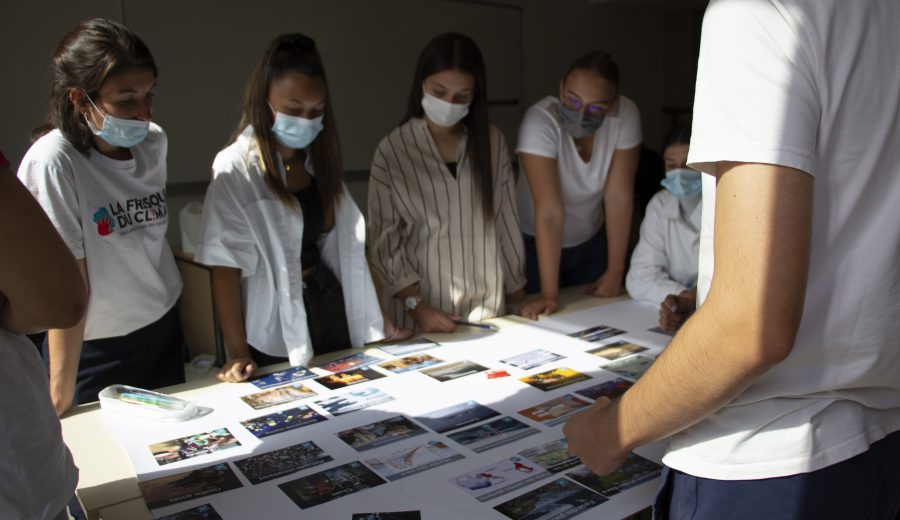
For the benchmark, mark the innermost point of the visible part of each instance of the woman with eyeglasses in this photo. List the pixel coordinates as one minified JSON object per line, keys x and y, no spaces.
{"x":100,"y":175}
{"x":283,"y":236}
{"x":443,"y":226}
{"x":579,"y":154}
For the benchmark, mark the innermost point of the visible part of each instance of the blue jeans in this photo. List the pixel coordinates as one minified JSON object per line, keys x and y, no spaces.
{"x":578,"y":265}
{"x":863,"y":487}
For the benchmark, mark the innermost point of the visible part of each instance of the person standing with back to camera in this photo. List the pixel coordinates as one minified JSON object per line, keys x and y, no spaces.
{"x":579,"y":154}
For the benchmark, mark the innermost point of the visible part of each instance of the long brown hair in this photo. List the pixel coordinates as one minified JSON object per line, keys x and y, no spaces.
{"x":454,"y":51}
{"x":286,"y":54}
{"x":88,"y":54}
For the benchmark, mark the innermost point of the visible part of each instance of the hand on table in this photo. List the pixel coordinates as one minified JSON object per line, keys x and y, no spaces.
{"x":429,"y":319}
{"x":540,"y":305}
{"x":608,"y":285}
{"x":237,"y":369}
{"x":393,"y":333}
{"x":593,"y":436}
{"x":675,"y":310}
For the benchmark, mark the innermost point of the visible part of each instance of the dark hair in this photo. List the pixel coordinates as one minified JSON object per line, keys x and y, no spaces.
{"x":681,"y":134}
{"x":289,"y":53}
{"x":454,"y":51}
{"x":600,"y":63}
{"x":90,"y":53}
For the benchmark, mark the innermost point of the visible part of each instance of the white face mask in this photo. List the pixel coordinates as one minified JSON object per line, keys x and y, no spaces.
{"x":441,"y":112}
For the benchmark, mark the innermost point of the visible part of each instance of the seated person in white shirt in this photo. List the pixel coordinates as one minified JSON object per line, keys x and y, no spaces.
{"x":664,"y":263}
{"x":284,"y":238}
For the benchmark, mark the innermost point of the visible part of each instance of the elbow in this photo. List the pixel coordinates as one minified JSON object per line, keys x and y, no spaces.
{"x":551,"y":218}
{"x":70,"y":307}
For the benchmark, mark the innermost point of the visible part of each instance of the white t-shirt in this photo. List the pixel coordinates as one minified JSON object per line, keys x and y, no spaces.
{"x":247,"y":227}
{"x":812,"y":85}
{"x":36,"y":469}
{"x":582,"y":182}
{"x":665,"y":259}
{"x":114,"y":215}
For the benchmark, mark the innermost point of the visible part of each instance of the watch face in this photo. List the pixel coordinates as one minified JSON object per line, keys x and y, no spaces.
{"x":411,"y":302}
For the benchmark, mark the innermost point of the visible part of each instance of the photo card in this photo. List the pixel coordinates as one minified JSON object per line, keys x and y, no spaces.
{"x":278,"y":395}
{"x":455,"y":370}
{"x":345,"y":363}
{"x":555,"y":411}
{"x":409,"y":363}
{"x":609,"y":389}
{"x":405,"y":347}
{"x":394,"y":515}
{"x":192,"y":446}
{"x":636,"y":470}
{"x":456,"y":416}
{"x":201,"y":512}
{"x":532,"y":359}
{"x":553,"y":379}
{"x":188,"y":485}
{"x":330,"y":484}
{"x":492,"y":434}
{"x":276,"y":464}
{"x":491,"y":481}
{"x":617,"y":350}
{"x":413,"y":459}
{"x":553,"y":456}
{"x":632,"y":367}
{"x":354,"y":400}
{"x":558,"y":500}
{"x":278,"y":422}
{"x":282,"y":377}
{"x":354,"y":376}
{"x":380,"y":433}
{"x":597,"y":333}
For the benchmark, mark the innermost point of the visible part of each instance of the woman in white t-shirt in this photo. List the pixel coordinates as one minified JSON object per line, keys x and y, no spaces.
{"x":579,"y":154}
{"x":284,"y":238}
{"x":100,"y":175}
{"x":665,"y":262}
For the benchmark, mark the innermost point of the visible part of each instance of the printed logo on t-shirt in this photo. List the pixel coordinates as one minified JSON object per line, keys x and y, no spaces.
{"x":105,"y":223}
{"x":132,"y":214}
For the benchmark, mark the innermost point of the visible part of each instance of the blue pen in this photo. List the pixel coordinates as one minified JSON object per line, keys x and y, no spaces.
{"x":486,"y":326}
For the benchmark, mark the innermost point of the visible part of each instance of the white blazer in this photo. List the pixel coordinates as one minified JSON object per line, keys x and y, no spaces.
{"x":666,"y":257}
{"x":245,"y":226}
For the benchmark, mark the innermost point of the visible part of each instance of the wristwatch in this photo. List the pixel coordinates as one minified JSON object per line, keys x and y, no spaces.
{"x":411,"y":302}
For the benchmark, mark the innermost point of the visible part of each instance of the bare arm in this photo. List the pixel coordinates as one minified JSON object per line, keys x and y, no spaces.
{"x":64,"y":346}
{"x":549,"y":216}
{"x":762,"y":243}
{"x":40,"y":285}
{"x":618,"y":204}
{"x":226,"y":289}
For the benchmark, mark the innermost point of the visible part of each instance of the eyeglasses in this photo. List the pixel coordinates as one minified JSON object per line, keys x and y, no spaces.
{"x":594,"y":109}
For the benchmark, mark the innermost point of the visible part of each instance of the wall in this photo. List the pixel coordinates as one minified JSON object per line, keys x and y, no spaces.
{"x":205,"y":49}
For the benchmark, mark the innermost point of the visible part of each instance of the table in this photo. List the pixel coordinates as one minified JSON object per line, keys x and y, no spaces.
{"x":108,"y":486}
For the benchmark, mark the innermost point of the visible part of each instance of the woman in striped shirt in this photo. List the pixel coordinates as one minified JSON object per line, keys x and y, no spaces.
{"x":442,"y":216}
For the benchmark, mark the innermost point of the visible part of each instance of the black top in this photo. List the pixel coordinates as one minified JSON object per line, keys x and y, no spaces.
{"x":313,"y":223}
{"x":452,"y":167}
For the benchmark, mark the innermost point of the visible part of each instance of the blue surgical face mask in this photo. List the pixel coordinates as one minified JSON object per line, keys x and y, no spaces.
{"x":579,"y":124}
{"x":294,"y":131}
{"x":684,"y":183}
{"x":120,"y":132}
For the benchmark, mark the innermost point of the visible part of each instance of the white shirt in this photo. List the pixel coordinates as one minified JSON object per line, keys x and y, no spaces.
{"x":36,"y":469}
{"x":811,"y":85}
{"x":582,"y":182}
{"x":246,"y":226}
{"x":114,"y":215}
{"x":665,"y":259}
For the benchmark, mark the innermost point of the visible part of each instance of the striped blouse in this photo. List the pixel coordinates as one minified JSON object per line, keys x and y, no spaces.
{"x":427,"y":226}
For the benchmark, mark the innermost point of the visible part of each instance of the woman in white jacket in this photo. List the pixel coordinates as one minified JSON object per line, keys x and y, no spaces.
{"x":283,"y":236}
{"x":665,"y":260}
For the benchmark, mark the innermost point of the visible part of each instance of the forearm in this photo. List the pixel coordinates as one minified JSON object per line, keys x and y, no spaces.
{"x":548,"y":240}
{"x":709,"y":363}
{"x":64,"y":346}
{"x":226,"y":288}
{"x":617,"y":211}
